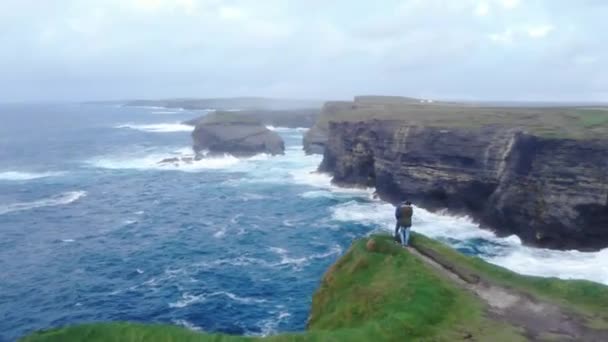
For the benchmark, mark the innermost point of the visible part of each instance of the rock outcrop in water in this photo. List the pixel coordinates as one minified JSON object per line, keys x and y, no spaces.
{"x":222,"y":134}
{"x":551,"y":192}
{"x":292,"y":118}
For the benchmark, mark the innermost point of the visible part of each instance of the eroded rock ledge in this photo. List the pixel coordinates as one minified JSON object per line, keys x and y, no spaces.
{"x":550,"y":192}
{"x":236,"y":137}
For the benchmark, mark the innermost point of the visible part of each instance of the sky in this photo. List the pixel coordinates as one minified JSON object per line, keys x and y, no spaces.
{"x":75,"y":50}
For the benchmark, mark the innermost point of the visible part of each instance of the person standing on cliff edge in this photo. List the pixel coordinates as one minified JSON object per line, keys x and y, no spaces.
{"x":403,"y":215}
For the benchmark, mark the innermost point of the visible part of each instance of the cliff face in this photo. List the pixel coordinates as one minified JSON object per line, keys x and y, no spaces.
{"x":315,"y":139}
{"x":550,"y":192}
{"x":240,"y":139}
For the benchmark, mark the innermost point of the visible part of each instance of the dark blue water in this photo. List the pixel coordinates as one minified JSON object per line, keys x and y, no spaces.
{"x":92,"y":228}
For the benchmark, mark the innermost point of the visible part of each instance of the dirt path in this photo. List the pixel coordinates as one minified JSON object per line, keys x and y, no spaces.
{"x":540,"y":320}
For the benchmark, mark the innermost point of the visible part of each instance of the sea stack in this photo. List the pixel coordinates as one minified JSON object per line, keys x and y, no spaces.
{"x":234,"y":134}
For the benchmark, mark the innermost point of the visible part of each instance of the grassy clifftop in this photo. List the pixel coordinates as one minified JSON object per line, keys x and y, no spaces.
{"x":380,"y":292}
{"x":577,"y":122}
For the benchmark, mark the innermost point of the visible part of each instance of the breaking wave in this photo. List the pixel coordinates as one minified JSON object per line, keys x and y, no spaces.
{"x":189,"y":299}
{"x":167,"y":112}
{"x":159,"y":128}
{"x":178,"y":159}
{"x":24,"y":176}
{"x":61,"y":199}
{"x":287,"y":129}
{"x":187,"y":325}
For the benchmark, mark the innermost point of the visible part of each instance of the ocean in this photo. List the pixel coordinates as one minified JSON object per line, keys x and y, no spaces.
{"x":93,"y":228}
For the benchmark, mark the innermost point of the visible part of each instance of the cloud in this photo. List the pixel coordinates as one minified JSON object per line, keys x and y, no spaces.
{"x":187,"y":6}
{"x":518,"y":34}
{"x":505,"y":37}
{"x":231,"y":13}
{"x":510,"y":4}
{"x":71,"y":49}
{"x":482,"y":9}
{"x":540,"y":31}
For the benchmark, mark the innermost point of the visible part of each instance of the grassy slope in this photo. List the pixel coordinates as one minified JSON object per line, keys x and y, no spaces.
{"x":386,"y":295}
{"x":562,"y":122}
{"x":585,"y":297}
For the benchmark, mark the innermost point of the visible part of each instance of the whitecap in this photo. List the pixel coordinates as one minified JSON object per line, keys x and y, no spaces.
{"x":184,"y":323}
{"x":238,"y":261}
{"x":67,"y":240}
{"x":57,"y":200}
{"x":252,"y":197}
{"x":289,"y":223}
{"x":159,"y":128}
{"x":24,"y":176}
{"x":166,"y":112}
{"x":139,"y":271}
{"x":220,"y":233}
{"x":269,"y":326}
{"x":553,"y":263}
{"x":297,"y":263}
{"x":335,"y":250}
{"x":244,"y":300}
{"x":189,"y":299}
{"x":145,"y":107}
{"x":151,"y":160}
{"x":317,"y":194}
{"x":298,"y":130}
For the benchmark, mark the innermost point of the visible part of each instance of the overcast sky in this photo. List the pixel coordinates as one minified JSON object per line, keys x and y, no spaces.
{"x":468,"y":49}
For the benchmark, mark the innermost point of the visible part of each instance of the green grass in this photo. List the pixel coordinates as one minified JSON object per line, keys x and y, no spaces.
{"x":585,"y":297}
{"x":591,"y":118}
{"x":382,"y":295}
{"x":229,"y":118}
{"x":553,"y":122}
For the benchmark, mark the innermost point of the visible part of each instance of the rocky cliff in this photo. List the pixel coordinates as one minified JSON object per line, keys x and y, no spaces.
{"x":315,"y":139}
{"x":296,"y":118}
{"x":241,"y":139}
{"x":550,"y":192}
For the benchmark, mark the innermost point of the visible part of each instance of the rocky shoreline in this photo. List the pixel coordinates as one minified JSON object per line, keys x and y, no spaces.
{"x":550,"y":192}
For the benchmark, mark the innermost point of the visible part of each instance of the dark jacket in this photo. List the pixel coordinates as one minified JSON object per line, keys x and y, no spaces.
{"x":404,"y":214}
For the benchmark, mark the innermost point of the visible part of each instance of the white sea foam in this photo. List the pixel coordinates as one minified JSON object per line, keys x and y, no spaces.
{"x":297,"y":263}
{"x":220,"y":233}
{"x":238,"y":261}
{"x":187,"y":325}
{"x":286,"y":129}
{"x":189,"y":299}
{"x":166,"y":112}
{"x":23,"y":176}
{"x":269,"y":326}
{"x":151,"y":160}
{"x":507,"y":252}
{"x":67,"y":240}
{"x":60,"y":199}
{"x":159,"y":128}
{"x":145,"y":107}
{"x":252,"y":197}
